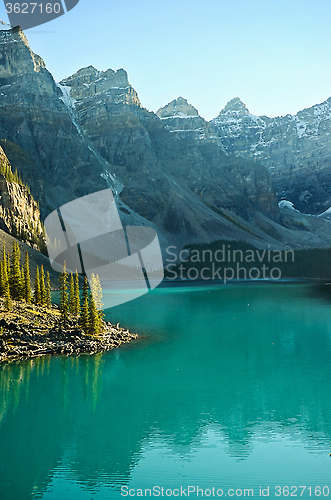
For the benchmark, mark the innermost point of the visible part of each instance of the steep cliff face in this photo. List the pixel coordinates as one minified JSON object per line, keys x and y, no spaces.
{"x":171,"y":170}
{"x":296,"y":150}
{"x":183,"y":120}
{"x":19,"y":213}
{"x":33,"y":116}
{"x":226,"y":181}
{"x":145,"y":153}
{"x":111,"y":86}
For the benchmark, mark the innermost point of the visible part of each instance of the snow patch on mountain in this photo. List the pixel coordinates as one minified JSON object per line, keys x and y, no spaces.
{"x":235,"y":119}
{"x":179,"y":114}
{"x":65,"y":98}
{"x":287,"y":204}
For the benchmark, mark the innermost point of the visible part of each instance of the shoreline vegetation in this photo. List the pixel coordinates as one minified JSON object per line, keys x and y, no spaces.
{"x":30,"y":325}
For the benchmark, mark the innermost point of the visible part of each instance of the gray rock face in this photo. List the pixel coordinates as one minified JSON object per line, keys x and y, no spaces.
{"x":183,"y":120}
{"x":58,"y":162}
{"x":19,"y":213}
{"x":228,"y":182}
{"x":172,"y":170}
{"x":147,"y":156}
{"x":111,"y":86}
{"x":296,"y":150}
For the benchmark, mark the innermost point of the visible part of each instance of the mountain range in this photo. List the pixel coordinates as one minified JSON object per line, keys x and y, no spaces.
{"x":294,"y":148}
{"x":263,"y":180}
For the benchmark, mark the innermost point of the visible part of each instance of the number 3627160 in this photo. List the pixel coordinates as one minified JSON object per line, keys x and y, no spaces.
{"x":30,"y":8}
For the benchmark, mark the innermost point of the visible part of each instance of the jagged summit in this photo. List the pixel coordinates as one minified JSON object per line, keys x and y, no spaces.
{"x":178,"y":108}
{"x":110,"y":85}
{"x":235,"y":106}
{"x":91,"y":74}
{"x":16,"y":55}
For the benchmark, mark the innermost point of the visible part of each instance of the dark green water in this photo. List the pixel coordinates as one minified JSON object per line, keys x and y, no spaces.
{"x":227,"y":387}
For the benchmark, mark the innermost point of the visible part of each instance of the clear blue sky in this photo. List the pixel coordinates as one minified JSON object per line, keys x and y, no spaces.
{"x":274,"y":55}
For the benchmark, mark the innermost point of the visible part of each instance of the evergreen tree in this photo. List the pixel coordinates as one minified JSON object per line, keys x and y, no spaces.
{"x":36,"y":293}
{"x":8,"y":265}
{"x":84,"y":315}
{"x":48,"y":291}
{"x":77,"y":298}
{"x":42,"y":286}
{"x":27,"y":283}
{"x":64,"y":302}
{"x":8,"y":301}
{"x":22,"y":282}
{"x":94,"y":324}
{"x":97,"y":295}
{"x":3,"y":271}
{"x":72,"y":295}
{"x":15,"y":272}
{"x":96,"y":291}
{"x":2,"y":279}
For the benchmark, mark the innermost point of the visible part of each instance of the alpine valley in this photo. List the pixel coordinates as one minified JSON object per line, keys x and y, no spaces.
{"x":266,"y":181}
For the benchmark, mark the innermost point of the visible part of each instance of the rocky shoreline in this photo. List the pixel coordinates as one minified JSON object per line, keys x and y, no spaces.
{"x":30,"y":331}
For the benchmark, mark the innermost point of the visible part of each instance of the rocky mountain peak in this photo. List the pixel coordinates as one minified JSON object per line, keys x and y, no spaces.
{"x":235,"y":106}
{"x":17,"y":57}
{"x":90,"y":74}
{"x":179,"y":108}
{"x":110,"y":85}
{"x":183,"y":120}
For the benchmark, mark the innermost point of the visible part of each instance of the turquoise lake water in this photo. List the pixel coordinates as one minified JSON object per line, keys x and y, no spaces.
{"x":227,"y":387}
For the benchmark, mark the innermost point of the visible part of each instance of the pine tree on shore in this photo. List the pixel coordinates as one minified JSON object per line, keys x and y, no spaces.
{"x":72,"y":295}
{"x":77,"y":298}
{"x":64,"y":301}
{"x":8,"y":301}
{"x":36,"y":293}
{"x":15,"y":273}
{"x":21,"y":291}
{"x":42,"y":288}
{"x":94,"y":323}
{"x":8,"y":265}
{"x":27,"y":283}
{"x":96,"y":290}
{"x":3,"y":271}
{"x":3,"y":277}
{"x":48,"y":291}
{"x":2,"y":283}
{"x":97,"y":296}
{"x":84,"y":315}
